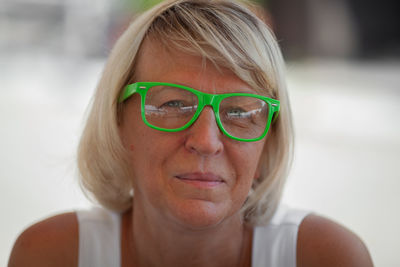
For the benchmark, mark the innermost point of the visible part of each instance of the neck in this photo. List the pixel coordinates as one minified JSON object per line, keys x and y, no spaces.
{"x":154,"y":242}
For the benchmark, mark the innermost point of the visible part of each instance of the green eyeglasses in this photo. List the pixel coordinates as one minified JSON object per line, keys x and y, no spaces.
{"x":172,"y":107}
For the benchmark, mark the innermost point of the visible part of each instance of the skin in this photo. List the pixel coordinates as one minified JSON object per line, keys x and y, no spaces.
{"x":179,"y":223}
{"x":198,"y":217}
{"x":51,"y":242}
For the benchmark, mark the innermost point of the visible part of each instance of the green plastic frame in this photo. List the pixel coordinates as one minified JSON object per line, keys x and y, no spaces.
{"x":205,"y":99}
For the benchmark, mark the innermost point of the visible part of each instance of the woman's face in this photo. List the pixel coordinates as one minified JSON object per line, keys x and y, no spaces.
{"x":197,"y":177}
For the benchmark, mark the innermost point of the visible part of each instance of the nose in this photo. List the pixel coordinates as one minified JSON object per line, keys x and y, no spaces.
{"x":204,"y":136}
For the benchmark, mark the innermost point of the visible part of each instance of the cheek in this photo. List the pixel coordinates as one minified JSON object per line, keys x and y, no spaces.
{"x":245,"y":163}
{"x":248,"y":170}
{"x":140,"y":151}
{"x":148,"y":155}
{"x":142,"y":166}
{"x":248,"y":160}
{"x":134,"y":140}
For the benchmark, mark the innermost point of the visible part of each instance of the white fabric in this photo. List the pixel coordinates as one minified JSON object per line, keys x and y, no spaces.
{"x":274,"y":245}
{"x":99,"y":238}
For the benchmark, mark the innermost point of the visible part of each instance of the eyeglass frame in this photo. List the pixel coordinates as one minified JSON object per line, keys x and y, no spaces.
{"x":204,"y":99}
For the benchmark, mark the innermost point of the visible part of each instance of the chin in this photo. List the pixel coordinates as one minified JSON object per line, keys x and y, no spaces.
{"x":200,"y":214}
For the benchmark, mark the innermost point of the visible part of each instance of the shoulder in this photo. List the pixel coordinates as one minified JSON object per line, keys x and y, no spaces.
{"x":322,"y":242}
{"x":51,"y":242}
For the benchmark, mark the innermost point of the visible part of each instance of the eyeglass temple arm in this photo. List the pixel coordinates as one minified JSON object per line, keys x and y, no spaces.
{"x":275,"y":109}
{"x":127,"y":92}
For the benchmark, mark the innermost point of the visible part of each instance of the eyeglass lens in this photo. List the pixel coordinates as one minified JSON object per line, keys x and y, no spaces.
{"x":171,"y":108}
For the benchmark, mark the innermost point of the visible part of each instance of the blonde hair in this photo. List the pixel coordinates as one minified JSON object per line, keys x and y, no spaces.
{"x":222,"y":31}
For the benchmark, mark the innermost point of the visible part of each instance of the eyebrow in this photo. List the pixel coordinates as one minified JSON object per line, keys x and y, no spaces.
{"x":241,"y":90}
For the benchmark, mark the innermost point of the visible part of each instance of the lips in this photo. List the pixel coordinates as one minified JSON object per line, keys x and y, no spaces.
{"x":201,"y":179}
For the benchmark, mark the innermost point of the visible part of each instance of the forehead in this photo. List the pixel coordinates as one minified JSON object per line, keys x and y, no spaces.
{"x":157,"y":63}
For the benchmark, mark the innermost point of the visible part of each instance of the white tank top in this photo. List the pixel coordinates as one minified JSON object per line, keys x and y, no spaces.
{"x":273,"y":245}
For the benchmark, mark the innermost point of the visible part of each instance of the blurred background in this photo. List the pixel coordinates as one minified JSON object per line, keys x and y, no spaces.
{"x":343,"y":59}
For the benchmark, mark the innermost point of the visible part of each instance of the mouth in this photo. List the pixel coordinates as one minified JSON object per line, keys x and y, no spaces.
{"x":202,"y":180}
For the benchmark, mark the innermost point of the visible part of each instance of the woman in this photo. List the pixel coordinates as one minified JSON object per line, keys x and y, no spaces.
{"x":186,"y":152}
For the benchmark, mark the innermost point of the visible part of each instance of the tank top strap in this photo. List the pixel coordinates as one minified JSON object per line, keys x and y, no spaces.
{"x":99,"y":238}
{"x":275,"y":243}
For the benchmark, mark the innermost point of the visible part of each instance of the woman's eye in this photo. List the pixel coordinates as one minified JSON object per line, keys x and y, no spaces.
{"x":236,"y":113}
{"x":173,"y":104}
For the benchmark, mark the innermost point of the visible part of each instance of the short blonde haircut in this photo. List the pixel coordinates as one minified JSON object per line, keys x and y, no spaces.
{"x":221,"y":31}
